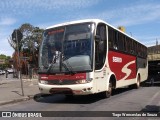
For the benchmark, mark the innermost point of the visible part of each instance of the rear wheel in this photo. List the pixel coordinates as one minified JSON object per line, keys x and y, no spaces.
{"x":137,"y":85}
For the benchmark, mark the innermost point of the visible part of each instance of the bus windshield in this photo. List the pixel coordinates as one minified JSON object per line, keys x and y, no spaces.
{"x":67,"y":49}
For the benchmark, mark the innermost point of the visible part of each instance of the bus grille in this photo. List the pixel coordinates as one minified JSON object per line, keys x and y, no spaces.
{"x":61,"y":91}
{"x":61,"y":82}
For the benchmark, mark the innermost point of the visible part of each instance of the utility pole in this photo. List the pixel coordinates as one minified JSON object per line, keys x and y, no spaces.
{"x":18,"y":36}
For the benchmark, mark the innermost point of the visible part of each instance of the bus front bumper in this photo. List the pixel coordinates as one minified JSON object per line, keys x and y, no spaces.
{"x":76,"y":89}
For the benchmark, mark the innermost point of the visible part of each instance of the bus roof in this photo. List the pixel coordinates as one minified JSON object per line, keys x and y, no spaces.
{"x":92,"y":20}
{"x":76,"y":22}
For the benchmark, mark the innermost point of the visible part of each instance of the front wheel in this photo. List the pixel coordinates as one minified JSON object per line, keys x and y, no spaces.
{"x":107,"y":94}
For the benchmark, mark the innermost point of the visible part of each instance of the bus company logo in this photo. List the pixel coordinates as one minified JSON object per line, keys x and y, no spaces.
{"x":126,"y":70}
{"x":117,"y":59}
{"x":60,"y":81}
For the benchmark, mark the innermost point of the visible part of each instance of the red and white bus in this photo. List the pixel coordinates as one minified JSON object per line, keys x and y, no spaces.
{"x":89,"y":56}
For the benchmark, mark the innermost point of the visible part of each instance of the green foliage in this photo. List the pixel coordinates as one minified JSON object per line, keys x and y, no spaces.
{"x":32,"y":37}
{"x":2,"y":56}
{"x":30,"y":42}
{"x":6,"y":64}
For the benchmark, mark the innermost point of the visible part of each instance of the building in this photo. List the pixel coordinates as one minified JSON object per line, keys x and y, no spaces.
{"x":154,"y":63}
{"x":154,"y":53}
{"x":2,"y":61}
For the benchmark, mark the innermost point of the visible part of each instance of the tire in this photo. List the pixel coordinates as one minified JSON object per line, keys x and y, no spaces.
{"x":107,"y":94}
{"x":137,"y":85}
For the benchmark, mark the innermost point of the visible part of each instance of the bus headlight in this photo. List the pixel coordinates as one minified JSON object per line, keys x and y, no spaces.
{"x":83,"y":81}
{"x":43,"y":82}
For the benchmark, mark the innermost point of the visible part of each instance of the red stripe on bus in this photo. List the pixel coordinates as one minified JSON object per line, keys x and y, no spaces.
{"x":76,"y":76}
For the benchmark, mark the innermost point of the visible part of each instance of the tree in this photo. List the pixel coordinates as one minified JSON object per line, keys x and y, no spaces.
{"x":37,"y":38}
{"x":6,"y":63}
{"x":26,"y":30}
{"x":16,"y":35}
{"x":29,"y":44}
{"x":29,"y":39}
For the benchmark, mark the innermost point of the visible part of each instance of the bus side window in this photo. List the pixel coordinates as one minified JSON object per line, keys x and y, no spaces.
{"x":121,"y":41}
{"x":132,"y":46}
{"x":128,"y":45}
{"x":125,"y":44}
{"x":115,"y":43}
{"x":110,"y":37}
{"x":135,"y":48}
{"x":139,"y":52}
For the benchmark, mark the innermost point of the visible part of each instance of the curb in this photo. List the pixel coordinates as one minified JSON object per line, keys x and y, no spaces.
{"x":29,"y":97}
{"x":17,"y":100}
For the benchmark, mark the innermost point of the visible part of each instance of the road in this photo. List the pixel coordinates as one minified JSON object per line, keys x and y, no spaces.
{"x":124,"y":99}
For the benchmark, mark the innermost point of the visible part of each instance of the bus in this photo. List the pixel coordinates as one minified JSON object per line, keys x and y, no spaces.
{"x":89,"y":56}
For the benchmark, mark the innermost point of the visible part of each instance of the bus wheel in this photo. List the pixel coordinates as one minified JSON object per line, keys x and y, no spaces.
{"x":107,"y":94}
{"x":138,"y":82}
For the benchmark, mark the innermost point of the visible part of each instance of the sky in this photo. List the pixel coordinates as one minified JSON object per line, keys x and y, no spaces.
{"x":141,"y":18}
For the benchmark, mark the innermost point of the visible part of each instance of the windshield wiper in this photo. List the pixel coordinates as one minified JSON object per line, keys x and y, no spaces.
{"x":54,"y":61}
{"x":68,"y":66}
{"x":50,"y":66}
